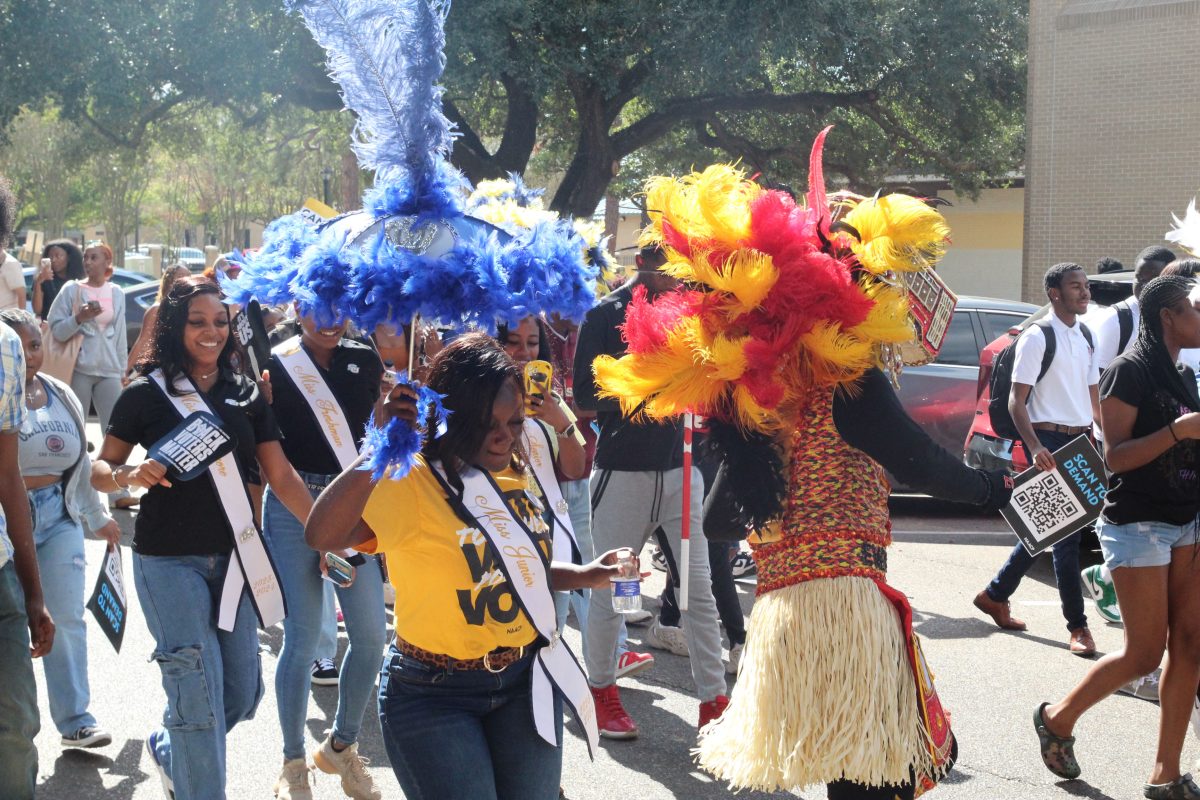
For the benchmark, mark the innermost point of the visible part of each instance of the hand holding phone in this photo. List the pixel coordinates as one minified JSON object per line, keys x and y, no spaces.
{"x":341,"y":571}
{"x":537,"y":382}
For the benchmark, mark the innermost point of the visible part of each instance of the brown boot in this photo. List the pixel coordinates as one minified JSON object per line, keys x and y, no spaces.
{"x":1081,"y":643}
{"x":999,"y":612}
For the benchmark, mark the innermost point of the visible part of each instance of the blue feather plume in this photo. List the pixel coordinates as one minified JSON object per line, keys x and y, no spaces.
{"x":387,"y":57}
{"x":398,"y":443}
{"x":269,"y":276}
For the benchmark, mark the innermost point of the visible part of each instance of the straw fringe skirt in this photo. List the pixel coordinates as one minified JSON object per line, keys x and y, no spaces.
{"x":825,"y":692}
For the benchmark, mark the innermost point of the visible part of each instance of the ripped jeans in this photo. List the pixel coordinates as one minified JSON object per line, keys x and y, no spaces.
{"x":59,"y":542}
{"x":212,"y":678}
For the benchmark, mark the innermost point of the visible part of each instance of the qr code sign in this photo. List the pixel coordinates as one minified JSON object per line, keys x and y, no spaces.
{"x":1046,"y":505}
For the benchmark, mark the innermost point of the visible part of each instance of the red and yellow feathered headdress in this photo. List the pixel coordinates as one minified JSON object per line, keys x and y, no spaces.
{"x":776,"y":297}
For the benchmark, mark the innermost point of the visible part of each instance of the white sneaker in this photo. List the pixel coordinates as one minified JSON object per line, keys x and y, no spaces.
{"x":735,"y":659}
{"x":666,"y":637}
{"x":293,"y":781}
{"x":639,"y":617}
{"x":356,"y":781}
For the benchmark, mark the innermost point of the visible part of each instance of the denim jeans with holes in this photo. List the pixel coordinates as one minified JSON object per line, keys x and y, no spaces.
{"x":212,"y":678}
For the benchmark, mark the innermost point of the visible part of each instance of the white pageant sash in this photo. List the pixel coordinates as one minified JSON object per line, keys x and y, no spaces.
{"x":541,"y":458}
{"x":300,"y":369}
{"x":254,"y":565}
{"x":528,"y":573}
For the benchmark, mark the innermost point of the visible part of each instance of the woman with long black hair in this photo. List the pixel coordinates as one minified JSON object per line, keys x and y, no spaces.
{"x":1148,"y":533}
{"x":197,"y":550}
{"x":66,"y":264}
{"x":467,"y":534}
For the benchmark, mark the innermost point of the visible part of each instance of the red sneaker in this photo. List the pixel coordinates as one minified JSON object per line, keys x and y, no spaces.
{"x":611,"y":718}
{"x":712,"y":709}
{"x":631,"y":663}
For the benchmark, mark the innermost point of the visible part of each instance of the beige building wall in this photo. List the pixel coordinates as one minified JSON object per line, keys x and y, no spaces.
{"x":985,"y":243}
{"x":1112,"y":127}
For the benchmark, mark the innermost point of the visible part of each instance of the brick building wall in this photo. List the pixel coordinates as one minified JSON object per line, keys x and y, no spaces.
{"x":1112,"y":129}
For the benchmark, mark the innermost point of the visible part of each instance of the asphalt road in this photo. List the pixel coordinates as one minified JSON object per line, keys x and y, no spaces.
{"x":990,"y":680}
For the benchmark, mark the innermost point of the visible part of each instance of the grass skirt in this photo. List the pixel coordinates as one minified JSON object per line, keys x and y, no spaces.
{"x":824,"y":692}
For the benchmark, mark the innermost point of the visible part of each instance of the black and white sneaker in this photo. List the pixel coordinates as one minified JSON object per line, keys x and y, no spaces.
{"x":658,"y":559}
{"x":324,"y":673}
{"x":742,"y":564}
{"x":87,"y":736}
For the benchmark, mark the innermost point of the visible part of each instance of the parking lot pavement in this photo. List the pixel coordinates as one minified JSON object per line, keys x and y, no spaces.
{"x":990,"y":680}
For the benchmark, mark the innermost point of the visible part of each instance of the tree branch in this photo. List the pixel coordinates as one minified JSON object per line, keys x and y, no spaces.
{"x":890,"y":125}
{"x":627,"y":87}
{"x":658,"y":123}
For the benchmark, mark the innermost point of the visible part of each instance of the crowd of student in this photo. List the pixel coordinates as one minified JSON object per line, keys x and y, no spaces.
{"x":474,"y":649}
{"x":1127,"y":374}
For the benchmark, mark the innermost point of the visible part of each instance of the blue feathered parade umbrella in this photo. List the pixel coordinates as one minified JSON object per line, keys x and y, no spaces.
{"x":411,"y":250}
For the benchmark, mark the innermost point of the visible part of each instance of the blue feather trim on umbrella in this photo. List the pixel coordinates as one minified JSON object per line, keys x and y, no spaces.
{"x":395,"y":446}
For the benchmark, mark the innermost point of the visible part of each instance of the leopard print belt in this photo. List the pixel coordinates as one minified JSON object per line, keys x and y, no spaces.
{"x":495,"y":661}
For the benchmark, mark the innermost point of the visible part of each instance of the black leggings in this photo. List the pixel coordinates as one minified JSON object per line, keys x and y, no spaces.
{"x":847,"y":790}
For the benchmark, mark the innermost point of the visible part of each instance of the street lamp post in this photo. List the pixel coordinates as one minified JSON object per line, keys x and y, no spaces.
{"x":326,"y":177}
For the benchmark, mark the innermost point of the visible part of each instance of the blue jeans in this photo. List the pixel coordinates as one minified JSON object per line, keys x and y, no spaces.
{"x":18,"y":698}
{"x":304,"y":589}
{"x":467,"y":734}
{"x":59,"y":541}
{"x":212,"y":678}
{"x":1066,"y":562}
{"x":579,"y":503}
{"x":327,"y":644}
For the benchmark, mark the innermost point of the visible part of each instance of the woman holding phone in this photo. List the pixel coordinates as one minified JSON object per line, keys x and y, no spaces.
{"x":323,"y":387}
{"x":457,"y":691}
{"x":94,"y":308}
{"x":62,"y":261}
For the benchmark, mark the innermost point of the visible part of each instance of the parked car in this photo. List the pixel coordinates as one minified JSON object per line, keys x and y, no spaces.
{"x":191,"y":257}
{"x":123,"y":278}
{"x":983,"y":447}
{"x":138,"y":298}
{"x":940,"y":397}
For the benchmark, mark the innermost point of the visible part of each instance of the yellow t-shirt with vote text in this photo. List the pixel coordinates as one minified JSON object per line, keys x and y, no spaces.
{"x":451,"y":595}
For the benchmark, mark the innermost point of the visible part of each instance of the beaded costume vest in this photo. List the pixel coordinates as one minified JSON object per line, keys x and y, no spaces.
{"x":835,"y":521}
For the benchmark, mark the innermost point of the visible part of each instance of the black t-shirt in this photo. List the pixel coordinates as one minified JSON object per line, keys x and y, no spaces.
{"x":187,"y":519}
{"x":623,"y":445}
{"x":1168,"y":488}
{"x":353,"y":377}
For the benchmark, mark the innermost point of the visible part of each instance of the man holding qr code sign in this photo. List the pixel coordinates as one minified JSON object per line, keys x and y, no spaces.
{"x":1050,"y":408}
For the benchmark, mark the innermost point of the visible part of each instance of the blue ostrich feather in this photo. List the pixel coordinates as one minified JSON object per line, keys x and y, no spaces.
{"x":437,"y":198}
{"x":397,"y":444}
{"x":386,"y":55}
{"x":270,"y":274}
{"x":321,"y":280}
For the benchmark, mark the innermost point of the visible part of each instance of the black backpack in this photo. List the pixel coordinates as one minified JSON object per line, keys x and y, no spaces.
{"x":1124,"y":324}
{"x":1000,"y":383}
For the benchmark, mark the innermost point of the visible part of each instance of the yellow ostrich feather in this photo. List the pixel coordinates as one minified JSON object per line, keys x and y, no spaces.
{"x":899,"y":233}
{"x":746,"y":275}
{"x":713,"y":204}
{"x":835,"y":356}
{"x":887,"y":322}
{"x":495,"y":187}
{"x":691,"y":371}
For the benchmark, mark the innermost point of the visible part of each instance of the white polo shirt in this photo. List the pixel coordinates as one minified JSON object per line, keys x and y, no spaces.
{"x":1105,"y":326}
{"x":1063,"y":395}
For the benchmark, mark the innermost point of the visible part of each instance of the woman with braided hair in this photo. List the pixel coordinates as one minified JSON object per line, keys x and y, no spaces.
{"x":1148,"y":532}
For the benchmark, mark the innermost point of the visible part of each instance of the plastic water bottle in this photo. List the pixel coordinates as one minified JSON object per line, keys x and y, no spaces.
{"x":627,"y":587}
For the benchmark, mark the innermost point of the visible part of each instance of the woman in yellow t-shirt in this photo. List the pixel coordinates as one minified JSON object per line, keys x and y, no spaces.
{"x":455,"y":699}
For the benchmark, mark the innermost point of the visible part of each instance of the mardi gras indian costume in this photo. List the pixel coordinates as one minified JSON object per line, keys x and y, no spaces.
{"x":778,"y":333}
